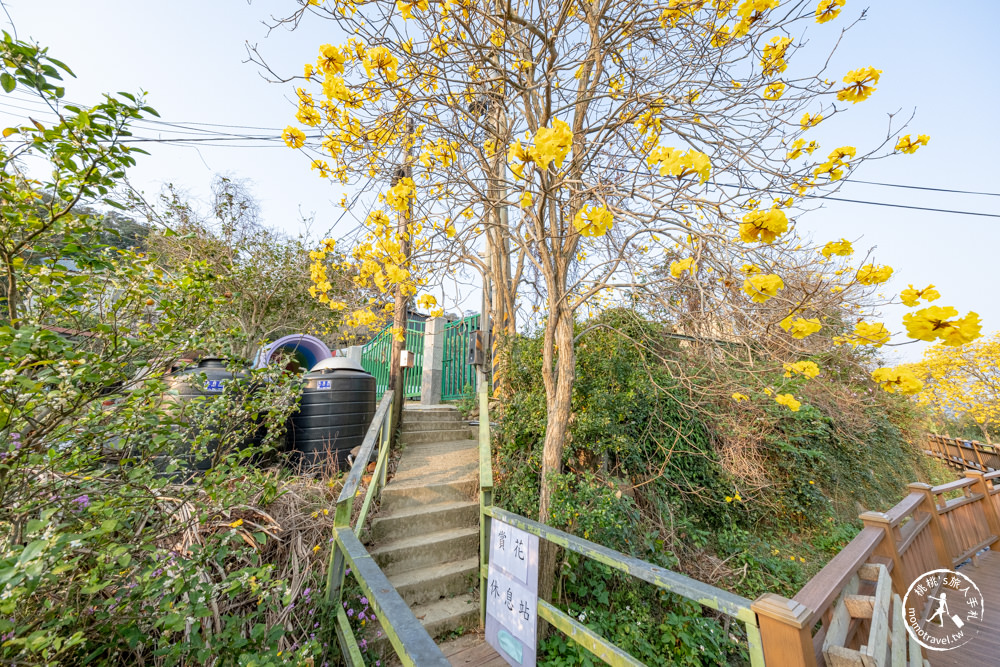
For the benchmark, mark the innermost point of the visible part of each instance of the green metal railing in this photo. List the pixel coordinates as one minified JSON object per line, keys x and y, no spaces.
{"x":458,"y":379}
{"x":413,"y":646}
{"x":377,"y":352}
{"x":708,"y":596}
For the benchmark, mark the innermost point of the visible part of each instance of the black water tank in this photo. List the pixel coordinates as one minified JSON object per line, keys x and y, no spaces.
{"x":205,"y":381}
{"x":335,"y":411}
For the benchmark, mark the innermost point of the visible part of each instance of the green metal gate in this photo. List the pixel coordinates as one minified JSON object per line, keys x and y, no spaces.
{"x":377,"y":352}
{"x":458,"y":379}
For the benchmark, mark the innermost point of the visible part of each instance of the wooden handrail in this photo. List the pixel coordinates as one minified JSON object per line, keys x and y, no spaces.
{"x":668,"y":580}
{"x":414,"y":647}
{"x":353,"y":480}
{"x":936,"y":536}
{"x":963,"y":454}
{"x":705,"y":594}
{"x":821,"y":591}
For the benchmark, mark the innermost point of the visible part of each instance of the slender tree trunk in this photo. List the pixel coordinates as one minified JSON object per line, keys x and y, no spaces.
{"x":558,"y":373}
{"x":397,"y":375}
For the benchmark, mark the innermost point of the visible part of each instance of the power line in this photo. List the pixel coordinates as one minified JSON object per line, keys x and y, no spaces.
{"x":924,"y":187}
{"x":220,"y":140}
{"x":870,"y":203}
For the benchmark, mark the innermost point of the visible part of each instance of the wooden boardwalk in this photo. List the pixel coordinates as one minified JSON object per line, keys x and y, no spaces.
{"x":471,"y":650}
{"x":984,"y":648}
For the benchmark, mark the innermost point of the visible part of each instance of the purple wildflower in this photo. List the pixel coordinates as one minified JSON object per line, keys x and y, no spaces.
{"x":82,"y":502}
{"x":364,"y":601}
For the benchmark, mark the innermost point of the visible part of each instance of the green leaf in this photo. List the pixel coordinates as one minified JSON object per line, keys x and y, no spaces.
{"x":94,"y":588}
{"x":32,"y":551}
{"x":8,"y":82}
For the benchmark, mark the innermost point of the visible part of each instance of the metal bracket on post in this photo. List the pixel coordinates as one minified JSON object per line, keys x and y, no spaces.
{"x":476,"y":354}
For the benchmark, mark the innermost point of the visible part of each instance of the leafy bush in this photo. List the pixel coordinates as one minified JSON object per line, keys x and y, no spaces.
{"x":650,"y":470}
{"x":111,"y":550}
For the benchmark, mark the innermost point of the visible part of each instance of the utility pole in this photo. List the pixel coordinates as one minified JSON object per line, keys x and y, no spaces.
{"x":397,"y":375}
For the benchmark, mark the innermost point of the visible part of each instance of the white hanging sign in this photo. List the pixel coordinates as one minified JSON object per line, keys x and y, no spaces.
{"x":512,"y":594}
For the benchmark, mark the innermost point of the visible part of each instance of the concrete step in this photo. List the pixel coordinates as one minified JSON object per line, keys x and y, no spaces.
{"x":433,"y":425}
{"x":412,"y":553}
{"x":406,"y":521}
{"x":448,"y":614}
{"x":430,"y":437}
{"x":431,"y":414}
{"x":397,"y":498}
{"x":441,"y":580}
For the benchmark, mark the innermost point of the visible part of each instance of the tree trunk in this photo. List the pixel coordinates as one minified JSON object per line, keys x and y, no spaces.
{"x":558,"y":372}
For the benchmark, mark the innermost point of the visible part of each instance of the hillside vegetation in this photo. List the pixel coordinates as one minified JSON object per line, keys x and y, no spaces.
{"x":665,"y":464}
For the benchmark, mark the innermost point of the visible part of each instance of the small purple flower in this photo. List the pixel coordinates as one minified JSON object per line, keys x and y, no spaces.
{"x":364,"y":601}
{"x":307,"y":591}
{"x":350,"y":612}
{"x":361,"y":615}
{"x":82,"y":502}
{"x":378,"y":633}
{"x":362,"y":645}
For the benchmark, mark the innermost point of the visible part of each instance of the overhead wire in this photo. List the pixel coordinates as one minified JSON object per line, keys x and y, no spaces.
{"x":221,"y":139}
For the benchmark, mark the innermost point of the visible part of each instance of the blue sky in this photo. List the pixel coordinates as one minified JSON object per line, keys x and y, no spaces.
{"x":189,"y":55}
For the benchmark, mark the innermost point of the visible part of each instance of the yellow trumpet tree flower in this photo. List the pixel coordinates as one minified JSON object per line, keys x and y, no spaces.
{"x":480,"y":106}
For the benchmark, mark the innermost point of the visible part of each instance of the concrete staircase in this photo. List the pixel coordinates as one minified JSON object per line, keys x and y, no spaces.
{"x":426,"y":535}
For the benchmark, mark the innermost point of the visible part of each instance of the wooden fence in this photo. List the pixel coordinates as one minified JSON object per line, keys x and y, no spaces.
{"x":406,"y":635}
{"x":963,"y":454}
{"x":932,"y":528}
{"x":735,"y":606}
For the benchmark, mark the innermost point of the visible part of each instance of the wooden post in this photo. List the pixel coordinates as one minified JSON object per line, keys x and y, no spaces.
{"x":986,"y":502}
{"x":888,"y":547}
{"x":937,"y":535}
{"x":979,"y":456}
{"x":785,"y":631}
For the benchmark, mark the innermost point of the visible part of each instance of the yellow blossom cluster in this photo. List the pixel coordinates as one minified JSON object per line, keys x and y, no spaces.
{"x":809,"y":120}
{"x":807,"y":369}
{"x":761,"y":287}
{"x":835,"y":165}
{"x":842,"y":247}
{"x":406,"y":7}
{"x":860,"y":84}
{"x":907,"y":145}
{"x":682,"y":265}
{"x":866,"y":333}
{"x":593,"y":220}
{"x":441,"y":152}
{"x":294,"y":137}
{"x":750,"y":12}
{"x":763,"y":226}
{"x":869,"y":274}
{"x":801,"y":327}
{"x":773,"y":60}
{"x":788,"y":401}
{"x":911,"y":297}
{"x":774,"y":91}
{"x":799,"y":146}
{"x":399,"y":195}
{"x":897,"y":380}
{"x":936,"y":323}
{"x":675,"y":162}
{"x":827,"y":10}
{"x":381,"y":60}
{"x":551,"y":144}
